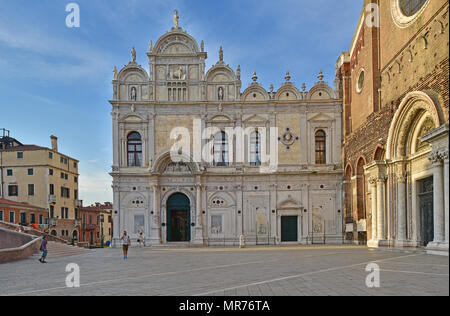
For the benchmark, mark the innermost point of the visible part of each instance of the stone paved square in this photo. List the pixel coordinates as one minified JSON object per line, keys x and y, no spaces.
{"x":258,"y":271}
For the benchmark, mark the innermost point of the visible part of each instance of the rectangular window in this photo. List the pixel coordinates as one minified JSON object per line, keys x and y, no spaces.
{"x":1,"y":215}
{"x":50,"y":155}
{"x":30,"y":172}
{"x":62,"y":212}
{"x":31,"y":190}
{"x":66,"y":176}
{"x":23,"y":218}
{"x":50,"y":172}
{"x":90,"y":219}
{"x":13,"y":190}
{"x":67,"y":212}
{"x":75,"y":194}
{"x":52,"y":189}
{"x":52,"y":211}
{"x":32,"y":218}
{"x":20,"y":155}
{"x":11,"y":217}
{"x":75,"y":165}
{"x":65,"y":192}
{"x":75,"y":179}
{"x":41,"y":219}
{"x":9,"y":172}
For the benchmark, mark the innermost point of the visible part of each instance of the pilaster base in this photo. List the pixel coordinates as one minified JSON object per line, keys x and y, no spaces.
{"x":437,"y":248}
{"x":402,"y":243}
{"x":116,"y":243}
{"x":377,"y":243}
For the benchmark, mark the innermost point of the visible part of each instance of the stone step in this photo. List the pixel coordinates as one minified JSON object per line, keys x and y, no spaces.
{"x":58,"y":250}
{"x":177,"y":245}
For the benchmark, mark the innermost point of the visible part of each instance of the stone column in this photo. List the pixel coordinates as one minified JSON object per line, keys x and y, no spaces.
{"x":438,"y":199}
{"x":116,"y":138}
{"x":156,"y":224}
{"x":380,"y":207}
{"x":116,"y":216}
{"x":401,"y":209}
{"x":198,"y":225}
{"x":446,"y":194}
{"x":373,"y":193}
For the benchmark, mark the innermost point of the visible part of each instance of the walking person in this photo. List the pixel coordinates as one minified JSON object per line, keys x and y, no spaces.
{"x":44,"y":250}
{"x":126,"y":242}
{"x":141,"y":240}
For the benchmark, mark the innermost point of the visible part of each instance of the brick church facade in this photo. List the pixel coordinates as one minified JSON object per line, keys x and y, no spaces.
{"x":394,"y":85}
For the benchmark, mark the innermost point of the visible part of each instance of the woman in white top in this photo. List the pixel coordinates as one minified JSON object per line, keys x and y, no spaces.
{"x":141,"y":240}
{"x":125,"y":243}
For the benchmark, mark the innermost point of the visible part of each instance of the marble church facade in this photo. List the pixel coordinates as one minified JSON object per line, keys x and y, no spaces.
{"x":219,"y":198}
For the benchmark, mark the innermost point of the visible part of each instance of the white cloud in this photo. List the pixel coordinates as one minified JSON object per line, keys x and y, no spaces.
{"x":95,"y":187}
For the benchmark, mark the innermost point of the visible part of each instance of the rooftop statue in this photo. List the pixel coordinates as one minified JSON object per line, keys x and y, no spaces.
{"x":175,"y":19}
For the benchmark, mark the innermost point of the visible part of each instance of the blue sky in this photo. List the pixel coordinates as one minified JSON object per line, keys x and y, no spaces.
{"x":57,"y":81}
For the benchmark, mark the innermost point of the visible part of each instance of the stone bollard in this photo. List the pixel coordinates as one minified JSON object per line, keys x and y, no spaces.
{"x":241,"y":241}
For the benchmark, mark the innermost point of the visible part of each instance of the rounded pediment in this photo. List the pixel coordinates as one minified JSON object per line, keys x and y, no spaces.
{"x":132,"y":73}
{"x":321,"y":91}
{"x":218,"y":74}
{"x":288,"y":92}
{"x":176,"y":42}
{"x":255,"y":93}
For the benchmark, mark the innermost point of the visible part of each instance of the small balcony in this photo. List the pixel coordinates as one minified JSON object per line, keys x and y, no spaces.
{"x":89,"y":226}
{"x":52,"y":222}
{"x":52,"y":199}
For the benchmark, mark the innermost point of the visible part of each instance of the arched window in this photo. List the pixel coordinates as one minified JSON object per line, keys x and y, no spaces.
{"x":411,"y":7}
{"x":255,"y":149}
{"x":221,"y":150}
{"x":321,"y":152}
{"x":134,"y":150}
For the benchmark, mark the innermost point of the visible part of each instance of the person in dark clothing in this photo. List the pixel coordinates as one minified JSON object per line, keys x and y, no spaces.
{"x":44,"y":250}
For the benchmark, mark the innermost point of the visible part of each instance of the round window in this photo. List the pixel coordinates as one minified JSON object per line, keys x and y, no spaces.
{"x":405,"y":12}
{"x":360,"y":83}
{"x":411,"y":7}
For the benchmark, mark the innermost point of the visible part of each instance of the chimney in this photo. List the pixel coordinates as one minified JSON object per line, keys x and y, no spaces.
{"x":54,"y":140}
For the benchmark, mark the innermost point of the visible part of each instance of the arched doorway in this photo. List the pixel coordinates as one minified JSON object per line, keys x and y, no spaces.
{"x":178,"y":218}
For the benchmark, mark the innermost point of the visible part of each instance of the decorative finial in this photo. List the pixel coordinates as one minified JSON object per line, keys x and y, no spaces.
{"x":238,"y":71}
{"x":133,"y":54}
{"x":151,"y":46}
{"x":221,"y":53}
{"x":303,"y":87}
{"x":175,"y":19}
{"x":202,"y":46}
{"x":115,"y":72}
{"x":288,"y":77}
{"x":271,"y":88}
{"x":320,"y":76}
{"x":255,"y":78}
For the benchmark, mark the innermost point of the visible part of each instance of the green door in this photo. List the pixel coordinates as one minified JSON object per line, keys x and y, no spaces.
{"x":426,"y":210}
{"x":289,"y":228}
{"x":178,"y":218}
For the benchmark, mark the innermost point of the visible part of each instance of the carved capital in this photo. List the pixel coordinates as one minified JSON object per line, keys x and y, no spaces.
{"x":373,"y":181}
{"x":437,"y":156}
{"x":381,"y":179}
{"x":402,"y":178}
